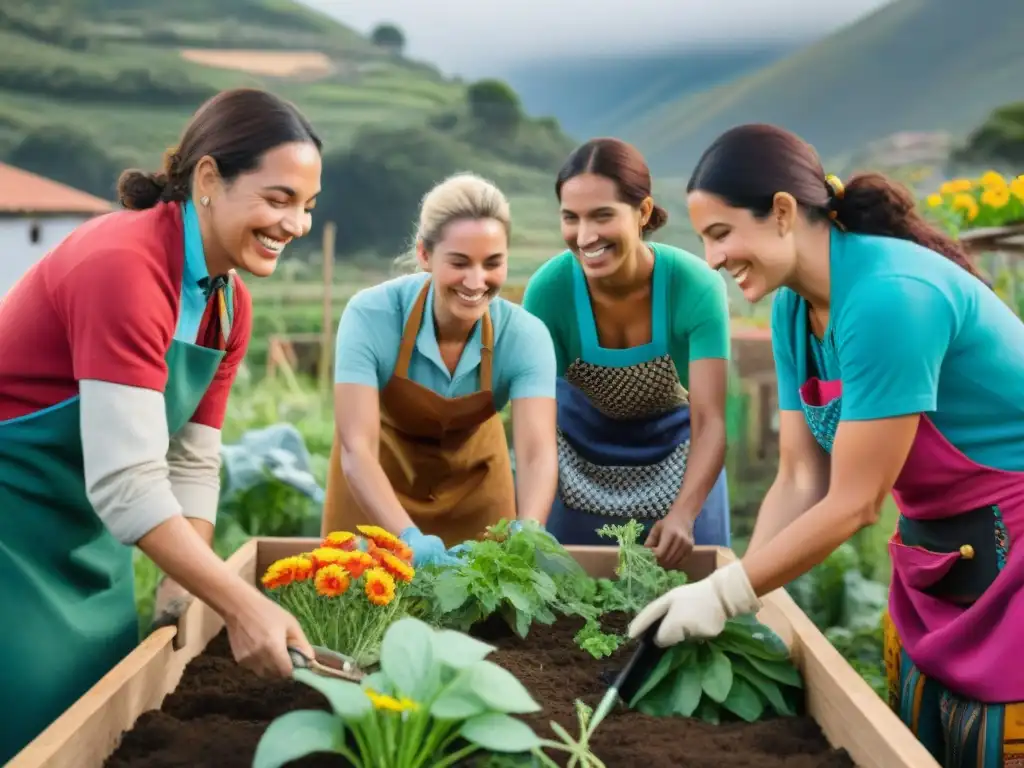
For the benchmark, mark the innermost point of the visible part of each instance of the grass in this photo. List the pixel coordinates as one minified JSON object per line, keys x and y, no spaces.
{"x":914,"y":65}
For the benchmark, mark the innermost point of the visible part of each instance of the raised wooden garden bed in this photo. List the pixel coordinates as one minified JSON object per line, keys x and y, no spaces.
{"x":214,"y":712}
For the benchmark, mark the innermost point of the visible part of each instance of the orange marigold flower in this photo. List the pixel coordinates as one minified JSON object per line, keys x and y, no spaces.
{"x":331,"y":581}
{"x":287,"y":570}
{"x":379,"y":536}
{"x":322,"y":556}
{"x":356,"y":562}
{"x":380,"y":586}
{"x":345,"y":540}
{"x":397,"y":567}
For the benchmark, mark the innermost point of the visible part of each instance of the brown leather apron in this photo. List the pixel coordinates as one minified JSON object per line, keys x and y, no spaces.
{"x":446,"y":458}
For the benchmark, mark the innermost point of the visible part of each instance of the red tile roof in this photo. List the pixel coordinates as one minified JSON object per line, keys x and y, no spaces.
{"x":25,"y":192}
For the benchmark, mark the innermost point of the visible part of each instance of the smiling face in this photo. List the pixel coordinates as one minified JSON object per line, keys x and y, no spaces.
{"x":251,"y":219}
{"x":602,"y":231}
{"x":469,"y":264}
{"x":760,"y":254}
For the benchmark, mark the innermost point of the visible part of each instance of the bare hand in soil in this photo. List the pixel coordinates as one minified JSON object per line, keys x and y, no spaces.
{"x":671,"y":538}
{"x":260,"y":636}
{"x":170,"y":603}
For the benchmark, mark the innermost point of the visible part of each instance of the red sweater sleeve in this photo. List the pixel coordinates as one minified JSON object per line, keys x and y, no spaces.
{"x":213,"y":407}
{"x":119,"y":309}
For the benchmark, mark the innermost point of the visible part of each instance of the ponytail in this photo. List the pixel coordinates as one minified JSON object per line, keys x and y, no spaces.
{"x":138,"y":190}
{"x":872,"y":204}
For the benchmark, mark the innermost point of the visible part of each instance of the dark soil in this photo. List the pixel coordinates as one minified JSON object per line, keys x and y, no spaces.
{"x":219,"y":711}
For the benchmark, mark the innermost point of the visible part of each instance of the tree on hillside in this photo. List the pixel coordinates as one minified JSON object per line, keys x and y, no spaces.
{"x":495,"y":104}
{"x":388,"y":36}
{"x":64,"y":155}
{"x":999,"y":139}
{"x":375,"y":187}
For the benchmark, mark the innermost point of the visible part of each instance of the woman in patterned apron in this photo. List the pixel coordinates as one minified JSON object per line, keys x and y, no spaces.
{"x":899,"y":371}
{"x":117,"y":353}
{"x":641,"y":333}
{"x":424,"y":365}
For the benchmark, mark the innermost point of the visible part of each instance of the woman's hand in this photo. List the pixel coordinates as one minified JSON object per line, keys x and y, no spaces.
{"x":671,"y":538}
{"x":260,"y":632}
{"x":699,"y":609}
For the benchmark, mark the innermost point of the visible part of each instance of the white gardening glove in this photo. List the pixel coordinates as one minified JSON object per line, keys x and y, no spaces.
{"x":699,"y":609}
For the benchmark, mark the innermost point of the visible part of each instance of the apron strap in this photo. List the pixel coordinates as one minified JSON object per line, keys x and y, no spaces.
{"x":411,"y":331}
{"x":486,"y":352}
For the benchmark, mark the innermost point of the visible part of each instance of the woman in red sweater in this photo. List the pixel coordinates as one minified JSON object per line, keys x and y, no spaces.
{"x":117,"y":353}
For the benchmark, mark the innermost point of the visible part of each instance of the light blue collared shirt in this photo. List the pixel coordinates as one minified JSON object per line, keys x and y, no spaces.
{"x":370,"y":332}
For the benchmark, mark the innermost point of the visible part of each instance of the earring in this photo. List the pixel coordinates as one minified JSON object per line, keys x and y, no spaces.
{"x":204,"y":201}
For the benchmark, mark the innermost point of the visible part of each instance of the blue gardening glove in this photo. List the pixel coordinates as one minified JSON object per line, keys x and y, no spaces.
{"x":426,"y":550}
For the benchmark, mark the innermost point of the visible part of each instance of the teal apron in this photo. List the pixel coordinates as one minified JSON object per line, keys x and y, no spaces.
{"x":67,"y":589}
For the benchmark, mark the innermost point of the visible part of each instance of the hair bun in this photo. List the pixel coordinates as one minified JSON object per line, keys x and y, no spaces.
{"x":657,"y":220}
{"x":138,"y":190}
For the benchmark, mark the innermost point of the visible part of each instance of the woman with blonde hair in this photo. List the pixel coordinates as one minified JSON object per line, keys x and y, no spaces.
{"x":425,"y":362}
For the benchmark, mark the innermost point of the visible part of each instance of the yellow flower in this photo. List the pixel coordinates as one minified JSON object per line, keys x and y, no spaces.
{"x":956,"y":185}
{"x":386,"y":540}
{"x":934,"y":201}
{"x":995,"y":197}
{"x":331,"y":581}
{"x":992,"y":180}
{"x":322,"y":556}
{"x":397,"y":567}
{"x":967,"y":205}
{"x":356,"y":562}
{"x":1017,"y":188}
{"x":380,"y":586}
{"x":390,"y":703}
{"x":287,"y":570}
{"x":341,"y":540}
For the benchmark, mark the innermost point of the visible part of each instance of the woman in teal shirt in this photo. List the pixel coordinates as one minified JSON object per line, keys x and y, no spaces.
{"x":641,"y":333}
{"x":425,"y":363}
{"x":899,"y":371}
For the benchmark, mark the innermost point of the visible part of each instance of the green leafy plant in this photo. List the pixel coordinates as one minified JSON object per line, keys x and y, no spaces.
{"x":639,"y":580}
{"x":435,"y":701}
{"x":524,"y":576}
{"x":746,"y":671}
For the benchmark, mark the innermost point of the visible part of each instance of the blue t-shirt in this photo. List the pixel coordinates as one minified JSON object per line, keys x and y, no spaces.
{"x":370,"y":332}
{"x":910,"y":332}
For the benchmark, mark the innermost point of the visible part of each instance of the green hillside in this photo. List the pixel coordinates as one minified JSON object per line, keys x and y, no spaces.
{"x":89,"y":87}
{"x":914,"y":65}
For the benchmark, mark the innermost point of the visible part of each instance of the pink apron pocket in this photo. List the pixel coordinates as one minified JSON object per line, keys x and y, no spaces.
{"x":818,"y":393}
{"x":920,"y":568}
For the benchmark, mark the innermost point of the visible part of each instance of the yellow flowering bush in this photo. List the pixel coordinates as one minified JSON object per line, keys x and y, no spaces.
{"x":346,"y":592}
{"x":991,"y":200}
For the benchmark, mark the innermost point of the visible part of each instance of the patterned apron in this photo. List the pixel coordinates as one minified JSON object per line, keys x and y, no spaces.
{"x":624,"y":433}
{"x":67,"y":587}
{"x":956,"y":604}
{"x":447,"y":458}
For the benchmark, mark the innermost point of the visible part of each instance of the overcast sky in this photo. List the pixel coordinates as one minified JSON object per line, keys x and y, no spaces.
{"x":480,"y":37}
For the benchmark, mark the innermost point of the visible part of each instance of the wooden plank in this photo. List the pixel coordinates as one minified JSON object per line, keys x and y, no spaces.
{"x":89,"y":731}
{"x":850,"y":714}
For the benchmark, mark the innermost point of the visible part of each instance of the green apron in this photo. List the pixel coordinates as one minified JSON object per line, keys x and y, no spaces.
{"x":67,"y":587}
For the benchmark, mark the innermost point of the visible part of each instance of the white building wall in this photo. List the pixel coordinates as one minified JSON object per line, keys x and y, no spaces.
{"x":23,"y":241}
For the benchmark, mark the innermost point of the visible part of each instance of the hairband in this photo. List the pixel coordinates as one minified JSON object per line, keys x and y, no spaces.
{"x":836,"y":192}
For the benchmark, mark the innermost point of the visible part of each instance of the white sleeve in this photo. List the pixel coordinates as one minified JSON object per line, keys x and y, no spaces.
{"x":193,"y":458}
{"x":124,"y":450}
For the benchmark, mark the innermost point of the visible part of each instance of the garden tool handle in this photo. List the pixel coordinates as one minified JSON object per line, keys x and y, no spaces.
{"x":639,"y":665}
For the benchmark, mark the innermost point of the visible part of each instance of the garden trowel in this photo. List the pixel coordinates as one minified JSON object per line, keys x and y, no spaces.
{"x":327,"y":663}
{"x":631,"y":676}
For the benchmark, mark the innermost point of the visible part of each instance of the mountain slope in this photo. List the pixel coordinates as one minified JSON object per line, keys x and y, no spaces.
{"x":915,"y":65}
{"x":597,"y":95}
